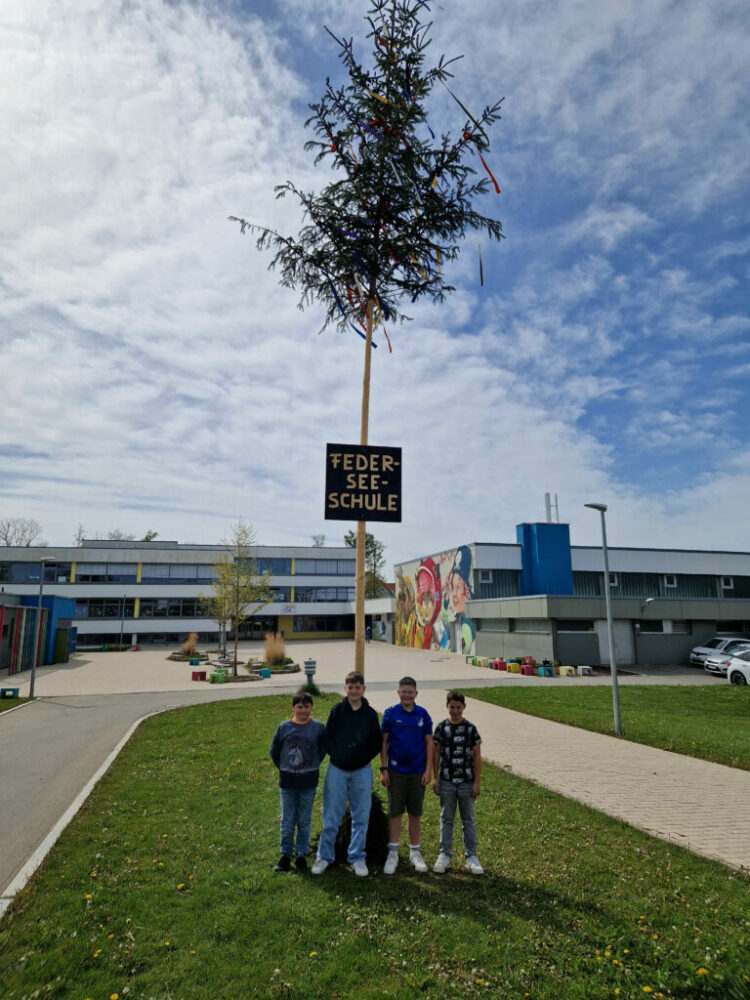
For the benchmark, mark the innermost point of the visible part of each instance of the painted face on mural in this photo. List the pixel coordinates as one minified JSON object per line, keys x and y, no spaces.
{"x":459,"y":594}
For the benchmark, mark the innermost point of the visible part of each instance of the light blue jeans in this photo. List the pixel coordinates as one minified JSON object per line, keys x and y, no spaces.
{"x":450,"y":795}
{"x":296,"y":813}
{"x":356,"y":786}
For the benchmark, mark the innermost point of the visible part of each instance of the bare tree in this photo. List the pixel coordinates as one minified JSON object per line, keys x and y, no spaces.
{"x":21,"y":531}
{"x":318,"y":541}
{"x":239,"y":589}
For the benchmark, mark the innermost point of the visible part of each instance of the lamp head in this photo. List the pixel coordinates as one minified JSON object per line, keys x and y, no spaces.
{"x":596,"y":506}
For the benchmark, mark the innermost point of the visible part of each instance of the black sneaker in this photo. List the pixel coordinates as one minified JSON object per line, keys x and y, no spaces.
{"x":284,"y":864}
{"x":300,"y":865}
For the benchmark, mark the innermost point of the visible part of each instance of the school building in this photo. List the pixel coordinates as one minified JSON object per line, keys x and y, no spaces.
{"x":139,"y":593}
{"x":543,"y":597}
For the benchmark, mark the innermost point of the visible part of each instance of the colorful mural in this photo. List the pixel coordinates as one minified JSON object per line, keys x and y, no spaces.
{"x":431,"y":595}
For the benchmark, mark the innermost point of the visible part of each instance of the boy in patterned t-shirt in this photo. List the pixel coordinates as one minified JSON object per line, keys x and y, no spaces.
{"x":457,"y":774}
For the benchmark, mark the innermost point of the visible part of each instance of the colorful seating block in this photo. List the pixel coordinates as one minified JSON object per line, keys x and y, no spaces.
{"x":198,"y":675}
{"x":9,"y":692}
{"x":546,"y":671}
{"x":513,"y":667}
{"x":218,"y":677}
{"x":527,"y":669}
{"x":585,"y":671}
{"x":567,"y":672}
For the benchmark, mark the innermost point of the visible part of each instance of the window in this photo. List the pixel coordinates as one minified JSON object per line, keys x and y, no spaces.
{"x":183,"y":573}
{"x":680,"y":627}
{"x":530,"y":625}
{"x":153,"y":573}
{"x":278,"y":567}
{"x":485,"y":576}
{"x":493,"y":624}
{"x":670,"y":581}
{"x":727,"y":583}
{"x":324,"y":567}
{"x":614,"y":580}
{"x":650,"y":627}
{"x":575,"y":625}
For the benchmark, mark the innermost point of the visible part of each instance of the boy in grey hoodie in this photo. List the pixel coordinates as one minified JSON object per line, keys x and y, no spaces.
{"x":297,"y":750}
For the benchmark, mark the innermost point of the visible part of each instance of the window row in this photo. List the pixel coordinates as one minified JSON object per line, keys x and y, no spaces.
{"x":665,"y":585}
{"x":60,"y":572}
{"x":324,"y":623}
{"x":305,"y":595}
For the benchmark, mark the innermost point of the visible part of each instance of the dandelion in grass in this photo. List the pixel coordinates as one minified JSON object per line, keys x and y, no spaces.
{"x":647,"y":989}
{"x":704,"y":972}
{"x":313,"y":954}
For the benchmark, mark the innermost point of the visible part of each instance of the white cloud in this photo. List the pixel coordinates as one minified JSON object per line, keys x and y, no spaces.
{"x":155,"y":375}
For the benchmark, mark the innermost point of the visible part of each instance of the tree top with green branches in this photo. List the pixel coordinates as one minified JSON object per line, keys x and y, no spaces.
{"x":402,"y":199}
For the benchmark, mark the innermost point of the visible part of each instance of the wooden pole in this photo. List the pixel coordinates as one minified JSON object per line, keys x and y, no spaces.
{"x":359,"y":604}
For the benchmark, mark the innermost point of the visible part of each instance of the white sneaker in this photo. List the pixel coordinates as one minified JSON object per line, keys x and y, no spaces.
{"x":360,"y":868}
{"x":319,"y":866}
{"x":442,"y":864}
{"x":417,"y":861}
{"x":472,"y":865}
{"x":391,"y":863}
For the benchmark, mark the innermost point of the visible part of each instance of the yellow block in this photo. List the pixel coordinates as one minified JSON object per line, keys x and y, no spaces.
{"x":567,"y":672}
{"x":514,"y":668}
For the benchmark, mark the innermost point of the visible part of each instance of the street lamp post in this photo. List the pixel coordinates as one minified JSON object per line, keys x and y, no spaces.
{"x":39,"y":637}
{"x":601,"y":507}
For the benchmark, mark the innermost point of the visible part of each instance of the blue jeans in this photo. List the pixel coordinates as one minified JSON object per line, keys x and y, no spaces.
{"x":356,"y":786}
{"x":296,"y":813}
{"x":451,"y":794}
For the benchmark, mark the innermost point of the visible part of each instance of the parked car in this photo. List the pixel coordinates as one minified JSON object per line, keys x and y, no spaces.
{"x":721,"y":663}
{"x":738,"y":671}
{"x":698,"y":654}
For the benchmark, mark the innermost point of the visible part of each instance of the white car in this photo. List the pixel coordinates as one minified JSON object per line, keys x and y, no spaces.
{"x":698,"y":654}
{"x":738,"y":670}
{"x":721,"y":664}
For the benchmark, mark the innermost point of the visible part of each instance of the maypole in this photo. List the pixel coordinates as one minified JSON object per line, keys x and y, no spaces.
{"x":386,"y":229}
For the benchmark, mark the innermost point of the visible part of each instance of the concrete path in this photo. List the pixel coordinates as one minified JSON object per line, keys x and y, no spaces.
{"x":54,"y":750}
{"x":701,"y":806}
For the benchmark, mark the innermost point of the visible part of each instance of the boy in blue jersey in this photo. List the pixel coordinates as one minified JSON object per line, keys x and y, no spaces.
{"x":405,"y":768}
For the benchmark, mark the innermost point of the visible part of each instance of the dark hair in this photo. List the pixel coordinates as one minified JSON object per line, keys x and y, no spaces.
{"x":301,"y":698}
{"x":407,"y":682}
{"x":354,"y":677}
{"x":455,"y":696}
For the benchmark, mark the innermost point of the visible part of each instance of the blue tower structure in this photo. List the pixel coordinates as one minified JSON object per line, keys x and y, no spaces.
{"x":546,"y":566}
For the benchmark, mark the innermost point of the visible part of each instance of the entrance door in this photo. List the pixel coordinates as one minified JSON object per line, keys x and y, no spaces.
{"x":624,"y":644}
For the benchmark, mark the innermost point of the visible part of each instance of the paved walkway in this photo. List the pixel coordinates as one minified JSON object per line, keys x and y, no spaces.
{"x":54,"y":750}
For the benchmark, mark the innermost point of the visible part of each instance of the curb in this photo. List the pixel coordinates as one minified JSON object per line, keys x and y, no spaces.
{"x":20,"y":880}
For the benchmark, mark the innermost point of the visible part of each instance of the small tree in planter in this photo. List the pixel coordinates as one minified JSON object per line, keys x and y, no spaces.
{"x":275,"y":650}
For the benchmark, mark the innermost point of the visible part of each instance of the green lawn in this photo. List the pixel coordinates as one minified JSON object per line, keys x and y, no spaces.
{"x":162,"y":888}
{"x":712,"y":723}
{"x":8,"y":703}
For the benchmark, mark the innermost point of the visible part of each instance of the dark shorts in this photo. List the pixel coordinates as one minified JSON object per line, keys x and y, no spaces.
{"x":405,"y":794}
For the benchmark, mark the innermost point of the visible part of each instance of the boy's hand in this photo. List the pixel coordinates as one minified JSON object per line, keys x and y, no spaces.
{"x":436,"y":786}
{"x":426,"y":778}
{"x":385,"y":779}
{"x":475,"y":790}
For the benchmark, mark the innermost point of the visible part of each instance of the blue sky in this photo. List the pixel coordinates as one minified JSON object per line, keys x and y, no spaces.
{"x":155,"y":376}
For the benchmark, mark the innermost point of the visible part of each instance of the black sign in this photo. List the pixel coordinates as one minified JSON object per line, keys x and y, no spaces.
{"x":363,"y":483}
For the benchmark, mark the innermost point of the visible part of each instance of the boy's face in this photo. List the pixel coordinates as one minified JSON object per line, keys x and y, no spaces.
{"x":354,"y":691}
{"x":407,"y":694}
{"x":455,"y":711}
{"x":302,"y":712}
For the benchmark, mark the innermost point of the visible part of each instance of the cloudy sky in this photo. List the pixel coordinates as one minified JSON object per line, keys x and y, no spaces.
{"x":154,"y":375}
